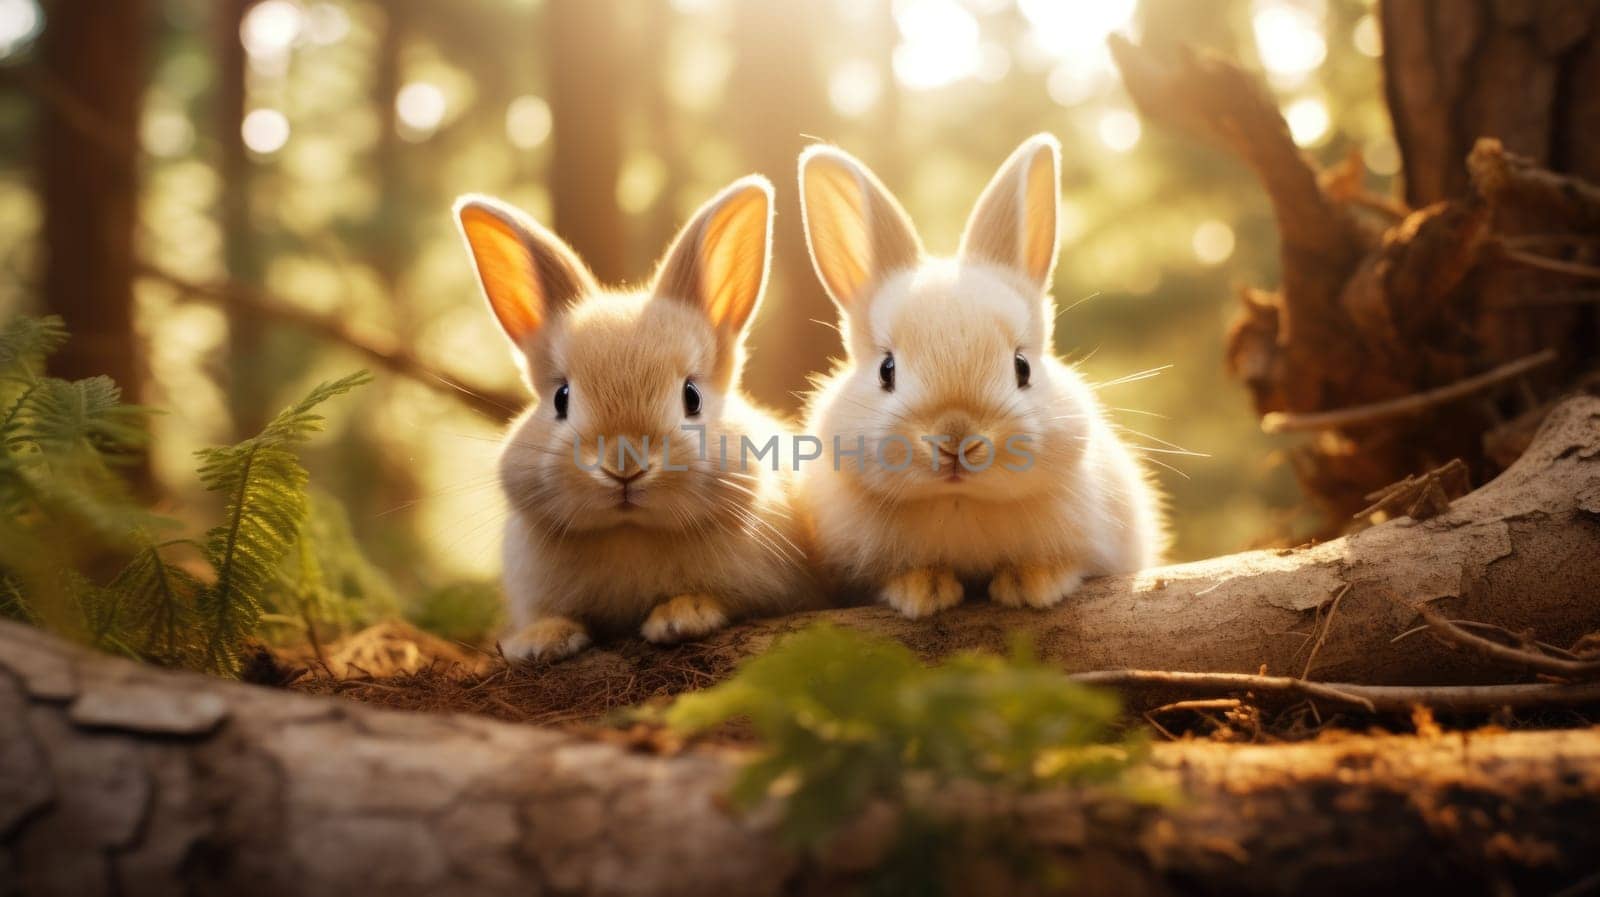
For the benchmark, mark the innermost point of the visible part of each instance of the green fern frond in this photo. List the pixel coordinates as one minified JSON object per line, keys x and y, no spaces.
{"x":155,"y":606}
{"x":328,"y":580}
{"x":265,"y":488}
{"x":25,"y":343}
{"x":61,"y":416}
{"x":13,"y":602}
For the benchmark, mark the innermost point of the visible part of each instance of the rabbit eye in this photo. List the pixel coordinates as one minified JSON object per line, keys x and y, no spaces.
{"x":691,"y":398}
{"x":563,"y":393}
{"x":1023,"y":371}
{"x":886,"y":373}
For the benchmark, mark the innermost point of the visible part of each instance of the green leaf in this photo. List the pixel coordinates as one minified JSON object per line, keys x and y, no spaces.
{"x":264,"y":486}
{"x":846,"y":718}
{"x":25,"y":342}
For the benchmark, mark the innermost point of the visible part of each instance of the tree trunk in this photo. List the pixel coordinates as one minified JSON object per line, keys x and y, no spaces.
{"x":586,"y":80}
{"x":1522,"y":553}
{"x":117,"y":778}
{"x":1520,"y":71}
{"x":777,"y":106}
{"x":92,"y":70}
{"x":1387,"y":310}
{"x":249,"y":390}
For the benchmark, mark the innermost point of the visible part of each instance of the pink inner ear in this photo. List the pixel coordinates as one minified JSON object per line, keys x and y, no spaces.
{"x":1039,"y":221}
{"x":506,"y":269}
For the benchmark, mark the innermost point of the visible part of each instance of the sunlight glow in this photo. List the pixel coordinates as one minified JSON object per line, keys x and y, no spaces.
{"x":327,"y":24}
{"x":270,"y":28}
{"x":1308,"y":120}
{"x":939,"y":43}
{"x":19,"y":22}
{"x":265,"y":131}
{"x":1288,"y":41}
{"x":854,"y":88}
{"x":1119,"y":130}
{"x":1367,"y":37}
{"x":165,"y":133}
{"x":420,"y":107}
{"x":1381,"y":155}
{"x":1212,"y":242}
{"x":1074,"y":28}
{"x":528,"y":122}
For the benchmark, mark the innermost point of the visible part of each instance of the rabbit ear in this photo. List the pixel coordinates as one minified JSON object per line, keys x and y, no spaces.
{"x":857,"y":232}
{"x":527,"y":273}
{"x":719,"y":260}
{"x":1014,"y":222}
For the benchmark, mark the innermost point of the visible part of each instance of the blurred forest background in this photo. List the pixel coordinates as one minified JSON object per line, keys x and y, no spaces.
{"x":229,"y":200}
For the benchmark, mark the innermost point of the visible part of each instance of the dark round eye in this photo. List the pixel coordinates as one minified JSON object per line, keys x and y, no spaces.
{"x":563,"y":393}
{"x":1023,"y":370}
{"x":886,"y":373}
{"x":691,"y":398}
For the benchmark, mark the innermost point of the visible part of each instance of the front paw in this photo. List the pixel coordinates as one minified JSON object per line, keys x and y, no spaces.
{"x":683,"y":617}
{"x":923,"y":592}
{"x":1031,"y":586}
{"x":548,"y":638}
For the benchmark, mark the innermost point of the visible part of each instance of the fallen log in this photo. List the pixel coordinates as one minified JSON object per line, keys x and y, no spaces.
{"x":122,"y":779}
{"x":1522,"y":553}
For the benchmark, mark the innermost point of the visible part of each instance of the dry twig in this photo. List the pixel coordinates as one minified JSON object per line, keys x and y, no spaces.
{"x":1421,"y":497}
{"x":1371,"y":698}
{"x":1525,"y":658}
{"x":387,"y":352}
{"x":1416,"y":403}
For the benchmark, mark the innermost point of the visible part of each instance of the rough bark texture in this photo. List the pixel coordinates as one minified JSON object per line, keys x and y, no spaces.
{"x":1519,"y":70}
{"x":92,"y":64}
{"x":117,"y":778}
{"x":121,"y":779}
{"x":1523,"y":552}
{"x":1382,"y":300}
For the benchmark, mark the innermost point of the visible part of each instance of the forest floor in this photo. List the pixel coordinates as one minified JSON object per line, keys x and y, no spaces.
{"x":398,"y":667}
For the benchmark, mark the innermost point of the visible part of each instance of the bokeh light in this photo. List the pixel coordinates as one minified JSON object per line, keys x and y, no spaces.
{"x":265,"y":131}
{"x":420,"y":106}
{"x":528,"y":122}
{"x":854,"y":88}
{"x":1288,"y":41}
{"x":1212,"y":242}
{"x":1381,"y":155}
{"x":1077,"y":29}
{"x":270,"y":28}
{"x":939,"y":43}
{"x":326,"y":24}
{"x":1119,"y":130}
{"x":1308,"y":120}
{"x":1367,"y":37}
{"x":19,"y":22}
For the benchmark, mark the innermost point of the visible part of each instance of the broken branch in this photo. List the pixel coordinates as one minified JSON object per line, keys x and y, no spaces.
{"x":1416,"y":403}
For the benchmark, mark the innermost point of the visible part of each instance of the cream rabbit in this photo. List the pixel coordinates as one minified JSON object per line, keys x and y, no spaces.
{"x":655,"y":534}
{"x":986,"y":458}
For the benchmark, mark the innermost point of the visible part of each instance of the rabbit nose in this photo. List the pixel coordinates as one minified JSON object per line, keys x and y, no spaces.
{"x":625,"y":478}
{"x":953,"y":428}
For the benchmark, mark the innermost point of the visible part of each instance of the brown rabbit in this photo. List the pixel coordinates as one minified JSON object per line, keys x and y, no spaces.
{"x":624,"y":513}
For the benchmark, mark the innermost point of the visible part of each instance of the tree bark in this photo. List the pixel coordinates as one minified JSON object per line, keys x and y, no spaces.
{"x":1523,"y":553}
{"x":1519,"y":71}
{"x":117,"y":778}
{"x":249,"y":378}
{"x":586,"y":79}
{"x":1383,"y":301}
{"x":92,"y":70}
